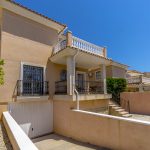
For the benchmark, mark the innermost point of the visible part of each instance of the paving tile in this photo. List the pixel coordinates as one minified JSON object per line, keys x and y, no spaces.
{"x":57,"y":142}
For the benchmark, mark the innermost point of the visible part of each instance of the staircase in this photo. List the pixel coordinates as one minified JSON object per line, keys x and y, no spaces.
{"x":116,"y":110}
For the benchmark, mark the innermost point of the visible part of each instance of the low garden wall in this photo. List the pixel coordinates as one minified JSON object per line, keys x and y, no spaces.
{"x":98,"y":129}
{"x":136,"y":102}
{"x":18,"y":139}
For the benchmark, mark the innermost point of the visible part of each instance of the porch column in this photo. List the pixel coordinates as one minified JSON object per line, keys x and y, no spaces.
{"x":70,"y":75}
{"x":104,"y":78}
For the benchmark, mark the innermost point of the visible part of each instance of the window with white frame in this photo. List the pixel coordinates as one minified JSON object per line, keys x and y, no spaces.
{"x":32,"y":81}
{"x":98,"y":75}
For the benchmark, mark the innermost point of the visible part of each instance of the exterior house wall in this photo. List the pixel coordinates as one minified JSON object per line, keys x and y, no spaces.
{"x":22,"y":41}
{"x":109,"y":71}
{"x":118,"y":72}
{"x":115,"y":72}
{"x":0,"y":27}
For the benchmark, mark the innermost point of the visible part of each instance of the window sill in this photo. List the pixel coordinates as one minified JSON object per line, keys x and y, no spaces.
{"x":32,"y":98}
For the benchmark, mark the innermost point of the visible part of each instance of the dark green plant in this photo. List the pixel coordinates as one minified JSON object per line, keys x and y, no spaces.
{"x":1,"y":72}
{"x":115,"y":86}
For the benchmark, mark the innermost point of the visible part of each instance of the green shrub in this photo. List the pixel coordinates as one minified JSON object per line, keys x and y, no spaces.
{"x":115,"y":86}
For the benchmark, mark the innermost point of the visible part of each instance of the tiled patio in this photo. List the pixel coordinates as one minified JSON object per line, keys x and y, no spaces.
{"x":57,"y":142}
{"x":4,"y":141}
{"x":141,"y":117}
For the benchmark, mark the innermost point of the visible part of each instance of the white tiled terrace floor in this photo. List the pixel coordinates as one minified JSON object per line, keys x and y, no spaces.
{"x":57,"y":142}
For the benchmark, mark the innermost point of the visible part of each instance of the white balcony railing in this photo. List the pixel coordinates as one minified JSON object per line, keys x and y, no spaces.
{"x":80,"y":44}
{"x":138,"y":79}
{"x":134,"y":80}
{"x":145,"y":80}
{"x":86,"y":46}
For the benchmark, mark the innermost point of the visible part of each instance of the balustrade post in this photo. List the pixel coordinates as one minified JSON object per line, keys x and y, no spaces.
{"x":105,"y":52}
{"x":69,"y":38}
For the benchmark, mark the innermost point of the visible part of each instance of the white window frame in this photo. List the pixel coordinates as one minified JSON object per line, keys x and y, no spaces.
{"x":31,"y":64}
{"x":100,"y":76}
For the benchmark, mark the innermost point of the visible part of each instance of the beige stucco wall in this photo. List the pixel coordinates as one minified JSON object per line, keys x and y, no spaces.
{"x":22,"y":41}
{"x":139,"y":102}
{"x":118,"y":72}
{"x":111,"y":132}
{"x":115,"y":72}
{"x":111,"y":71}
{"x":53,"y":75}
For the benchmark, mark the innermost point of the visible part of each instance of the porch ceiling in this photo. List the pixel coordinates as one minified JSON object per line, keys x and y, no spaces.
{"x":83,"y":59}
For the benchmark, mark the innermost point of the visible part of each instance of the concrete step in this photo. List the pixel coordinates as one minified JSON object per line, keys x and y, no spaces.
{"x":117,"y":107}
{"x":120,"y":110}
{"x":124,"y":113}
{"x":127,"y":115}
{"x":112,"y":105}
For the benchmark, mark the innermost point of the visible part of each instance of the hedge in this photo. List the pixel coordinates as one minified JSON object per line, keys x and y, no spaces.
{"x":115,"y":86}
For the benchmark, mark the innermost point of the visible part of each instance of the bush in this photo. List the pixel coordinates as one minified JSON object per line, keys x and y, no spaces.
{"x":115,"y":86}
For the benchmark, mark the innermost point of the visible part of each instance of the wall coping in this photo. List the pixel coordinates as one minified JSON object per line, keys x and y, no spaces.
{"x":18,"y":138}
{"x":113,"y":117}
{"x":82,"y":97}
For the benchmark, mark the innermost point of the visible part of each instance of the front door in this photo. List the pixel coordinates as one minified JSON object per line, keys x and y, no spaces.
{"x":32,"y":80}
{"x":80,"y":82}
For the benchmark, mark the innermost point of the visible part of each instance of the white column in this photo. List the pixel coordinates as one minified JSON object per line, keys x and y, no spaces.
{"x":104,"y":78}
{"x":70,"y":75}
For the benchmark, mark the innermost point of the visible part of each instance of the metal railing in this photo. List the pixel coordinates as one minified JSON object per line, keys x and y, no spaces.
{"x":83,"y":87}
{"x":32,"y":88}
{"x":89,"y":87}
{"x":82,"y":45}
{"x":61,"y":87}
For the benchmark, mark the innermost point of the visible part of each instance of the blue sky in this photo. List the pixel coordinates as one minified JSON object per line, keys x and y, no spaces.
{"x":121,"y":25}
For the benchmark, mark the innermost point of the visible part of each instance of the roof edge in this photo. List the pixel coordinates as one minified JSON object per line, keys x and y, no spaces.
{"x":31,"y":14}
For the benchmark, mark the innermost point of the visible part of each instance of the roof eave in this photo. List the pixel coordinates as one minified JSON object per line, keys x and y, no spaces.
{"x":32,"y":15}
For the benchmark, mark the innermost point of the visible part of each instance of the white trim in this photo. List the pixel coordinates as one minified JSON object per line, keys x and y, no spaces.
{"x":113,"y":117}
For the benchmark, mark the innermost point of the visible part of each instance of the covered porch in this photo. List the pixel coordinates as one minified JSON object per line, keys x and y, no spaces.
{"x":84,"y":72}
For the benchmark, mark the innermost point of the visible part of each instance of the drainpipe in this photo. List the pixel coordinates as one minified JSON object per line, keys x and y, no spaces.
{"x":74,"y":86}
{"x":61,"y":32}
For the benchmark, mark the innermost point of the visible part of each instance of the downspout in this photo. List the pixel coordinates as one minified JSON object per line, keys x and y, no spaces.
{"x":62,"y":31}
{"x":59,"y":34}
{"x":74,"y":86}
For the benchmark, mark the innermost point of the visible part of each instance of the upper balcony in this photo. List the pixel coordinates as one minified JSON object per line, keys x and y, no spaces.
{"x":71,"y":41}
{"x":138,"y":80}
